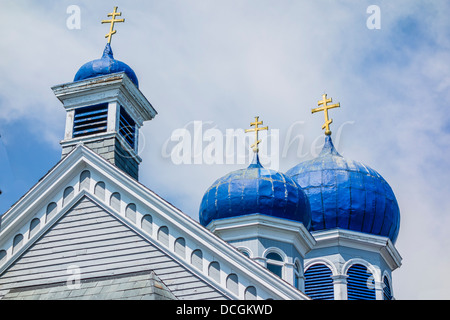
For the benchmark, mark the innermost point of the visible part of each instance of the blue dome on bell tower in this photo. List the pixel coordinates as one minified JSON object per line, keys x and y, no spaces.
{"x":255,"y":190}
{"x":347,"y":194}
{"x":105,"y":65}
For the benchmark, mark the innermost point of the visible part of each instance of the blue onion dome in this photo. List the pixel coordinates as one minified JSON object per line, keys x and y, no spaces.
{"x":347,"y":194}
{"x":105,"y":65}
{"x":255,"y":190}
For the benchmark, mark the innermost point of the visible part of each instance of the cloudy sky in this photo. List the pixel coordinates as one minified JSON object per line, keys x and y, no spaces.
{"x":222,"y":62}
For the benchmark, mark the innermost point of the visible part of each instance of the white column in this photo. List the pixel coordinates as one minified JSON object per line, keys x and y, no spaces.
{"x":288,"y":272}
{"x":379,"y":290}
{"x":301,"y":283}
{"x":340,"y":286}
{"x":136,"y":139}
{"x":113,"y":117}
{"x":69,"y":125}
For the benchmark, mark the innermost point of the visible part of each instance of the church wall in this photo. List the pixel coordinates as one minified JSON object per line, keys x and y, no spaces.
{"x":125,"y":162}
{"x":111,"y":150}
{"x":259,"y":247}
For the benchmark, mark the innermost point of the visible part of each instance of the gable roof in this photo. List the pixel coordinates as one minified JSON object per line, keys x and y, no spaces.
{"x":222,"y":266}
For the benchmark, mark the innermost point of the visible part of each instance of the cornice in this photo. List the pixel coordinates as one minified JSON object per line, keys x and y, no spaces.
{"x":102,"y":89}
{"x":359,"y":240}
{"x":259,"y":225}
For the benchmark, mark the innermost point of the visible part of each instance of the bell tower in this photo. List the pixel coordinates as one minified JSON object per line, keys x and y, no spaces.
{"x":355,"y":221}
{"x":105,"y":109}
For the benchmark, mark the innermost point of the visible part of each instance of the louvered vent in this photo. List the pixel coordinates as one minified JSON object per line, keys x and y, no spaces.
{"x":90,"y":120}
{"x":318,"y":282}
{"x":127,"y":128}
{"x":387,"y":295}
{"x":360,"y":283}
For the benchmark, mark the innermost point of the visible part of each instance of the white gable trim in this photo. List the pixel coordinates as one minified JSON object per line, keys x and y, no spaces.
{"x":67,"y":172}
{"x":56,"y":178}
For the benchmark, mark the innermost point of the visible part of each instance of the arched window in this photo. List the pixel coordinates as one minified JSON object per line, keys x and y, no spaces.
{"x":197,"y":259}
{"x":68,"y":195}
{"x":147,"y":223}
{"x":163,"y":235}
{"x":360,"y":283}
{"x":318,"y":282}
{"x":250,"y":293}
{"x":17,"y":242}
{"x":2,"y":256}
{"x":85,"y":178}
{"x":130,"y":212}
{"x":34,"y":227}
{"x":244,"y":251}
{"x":387,"y":293}
{"x":114,"y":201}
{"x":275,"y":263}
{"x":99,"y":190}
{"x":180,"y":247}
{"x":51,"y":211}
{"x":232,"y":283}
{"x":214,"y":270}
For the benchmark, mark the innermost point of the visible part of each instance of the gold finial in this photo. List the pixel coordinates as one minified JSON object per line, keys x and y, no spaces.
{"x":256,"y":129}
{"x":325,"y":108}
{"x":112,"y":21}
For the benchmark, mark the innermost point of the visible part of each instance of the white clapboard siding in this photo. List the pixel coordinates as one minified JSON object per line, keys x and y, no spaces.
{"x":100,"y":245}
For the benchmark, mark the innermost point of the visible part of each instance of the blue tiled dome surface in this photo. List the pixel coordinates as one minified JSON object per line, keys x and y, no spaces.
{"x":255,"y":190}
{"x":347,"y":194}
{"x":105,"y":65}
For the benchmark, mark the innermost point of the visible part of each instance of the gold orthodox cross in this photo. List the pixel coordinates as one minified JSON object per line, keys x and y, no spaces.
{"x":256,"y":129}
{"x":324,"y":108}
{"x":112,"y":21}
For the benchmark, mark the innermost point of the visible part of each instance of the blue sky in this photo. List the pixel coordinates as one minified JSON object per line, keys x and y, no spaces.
{"x":223,"y":62}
